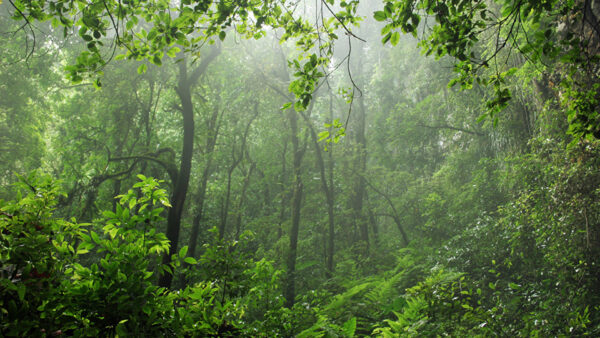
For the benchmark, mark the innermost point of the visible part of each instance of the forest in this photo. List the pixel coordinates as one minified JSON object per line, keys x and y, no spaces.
{"x":298,"y":168}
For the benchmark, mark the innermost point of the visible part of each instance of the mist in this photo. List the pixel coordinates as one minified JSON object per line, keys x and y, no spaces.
{"x":299,"y":169}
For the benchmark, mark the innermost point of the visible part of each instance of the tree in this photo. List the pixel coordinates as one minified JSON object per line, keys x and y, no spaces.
{"x":186,"y":81}
{"x":559,"y":33}
{"x":23,"y":82}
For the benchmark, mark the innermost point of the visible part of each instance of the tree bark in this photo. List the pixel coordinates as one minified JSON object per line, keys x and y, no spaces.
{"x":284,"y":192}
{"x":184,"y":91}
{"x":297,"y":186}
{"x":358,"y":193}
{"x":236,"y":159}
{"x":327,"y":191}
{"x":242,"y":201}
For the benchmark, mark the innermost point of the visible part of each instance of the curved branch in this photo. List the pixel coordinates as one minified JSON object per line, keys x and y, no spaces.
{"x":445,"y":126}
{"x":169,"y":167}
{"x":348,"y":31}
{"x":395,"y":216}
{"x":28,"y":23}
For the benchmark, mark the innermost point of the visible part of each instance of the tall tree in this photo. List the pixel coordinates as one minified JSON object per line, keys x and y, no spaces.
{"x":187,"y":79}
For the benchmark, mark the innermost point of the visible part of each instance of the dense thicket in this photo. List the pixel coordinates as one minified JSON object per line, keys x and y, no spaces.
{"x":266,"y":168}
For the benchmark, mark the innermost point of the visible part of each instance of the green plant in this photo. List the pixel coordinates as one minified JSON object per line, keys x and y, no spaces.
{"x":35,"y":249}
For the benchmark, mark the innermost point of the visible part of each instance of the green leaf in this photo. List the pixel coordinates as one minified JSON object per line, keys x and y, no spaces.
{"x":349,"y":327}
{"x":222,"y":35}
{"x":132,"y":203}
{"x":173,"y":52}
{"x":121,"y":330}
{"x":183,"y":251}
{"x":306,"y":265}
{"x":152,"y":34}
{"x":142,"y":68}
{"x":190,"y":260}
{"x":95,"y":237}
{"x":21,"y":291}
{"x":165,"y":202}
{"x":395,"y":38}
{"x":379,"y":16}
{"x":386,"y":38}
{"x":481,"y":118}
{"x":323,"y":135}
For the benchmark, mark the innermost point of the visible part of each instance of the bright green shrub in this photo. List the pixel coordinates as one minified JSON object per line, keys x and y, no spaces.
{"x":35,"y":249}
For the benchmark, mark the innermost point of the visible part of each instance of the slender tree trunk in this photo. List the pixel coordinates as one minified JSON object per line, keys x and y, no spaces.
{"x":225,"y":206}
{"x":213,"y":126}
{"x":236,"y":159}
{"x":327,"y":191}
{"x":284,"y":192}
{"x":358,"y":194}
{"x":331,"y":237}
{"x":199,"y":213}
{"x":297,"y":186}
{"x":183,"y":177}
{"x":184,"y":91}
{"x":395,"y":215}
{"x":242,"y":201}
{"x":372,"y":221}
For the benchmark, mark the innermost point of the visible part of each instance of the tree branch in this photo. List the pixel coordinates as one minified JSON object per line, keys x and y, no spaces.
{"x":445,"y":126}
{"x":193,"y":78}
{"x":169,"y":167}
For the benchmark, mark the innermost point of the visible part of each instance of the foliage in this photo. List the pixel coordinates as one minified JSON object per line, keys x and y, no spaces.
{"x":35,"y":251}
{"x":529,"y":27}
{"x":405,"y":207}
{"x":44,"y":282}
{"x":443,"y":303}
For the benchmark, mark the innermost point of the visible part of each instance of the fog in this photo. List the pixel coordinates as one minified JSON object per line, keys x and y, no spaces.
{"x":308,"y":168}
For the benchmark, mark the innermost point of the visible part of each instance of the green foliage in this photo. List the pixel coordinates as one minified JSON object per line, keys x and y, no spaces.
{"x":443,"y":303}
{"x":544,"y":32}
{"x":117,"y":291}
{"x":582,"y":112}
{"x":373,"y":299}
{"x":35,"y":249}
{"x":336,"y":128}
{"x":443,"y":223}
{"x":46,"y":286}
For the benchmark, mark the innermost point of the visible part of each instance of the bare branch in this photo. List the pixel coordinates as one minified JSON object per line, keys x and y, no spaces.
{"x":445,"y":126}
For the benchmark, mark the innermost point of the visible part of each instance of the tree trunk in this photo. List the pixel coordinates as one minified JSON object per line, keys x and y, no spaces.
{"x":284,"y":193}
{"x":225,"y":205}
{"x":199,"y":213}
{"x":242,"y":201}
{"x":184,"y":91}
{"x":358,"y":193}
{"x":327,"y":191}
{"x":183,"y":176}
{"x":331,"y":237}
{"x":213,"y":126}
{"x":236,"y":159}
{"x":290,"y":287}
